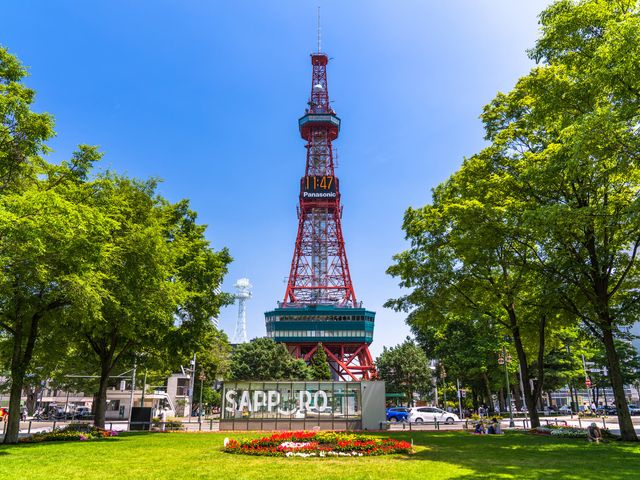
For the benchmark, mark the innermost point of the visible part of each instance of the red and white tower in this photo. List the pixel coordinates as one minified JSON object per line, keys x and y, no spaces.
{"x":319,"y":269}
{"x":320,"y":303}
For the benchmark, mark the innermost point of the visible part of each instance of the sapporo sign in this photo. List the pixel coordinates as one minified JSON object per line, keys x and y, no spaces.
{"x":272,"y":401}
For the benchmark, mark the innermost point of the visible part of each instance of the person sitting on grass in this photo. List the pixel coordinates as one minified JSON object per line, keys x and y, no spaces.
{"x":594,"y":434}
{"x":495,"y":427}
{"x":479,"y":428}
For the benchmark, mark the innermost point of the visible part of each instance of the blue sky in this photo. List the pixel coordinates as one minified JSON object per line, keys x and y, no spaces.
{"x":206,"y":95}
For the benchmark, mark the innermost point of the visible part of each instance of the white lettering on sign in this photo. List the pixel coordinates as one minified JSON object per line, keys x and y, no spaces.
{"x":272,"y":400}
{"x":316,"y":400}
{"x":305,"y":400}
{"x":319,"y":194}
{"x":231,"y":401}
{"x":245,"y":402}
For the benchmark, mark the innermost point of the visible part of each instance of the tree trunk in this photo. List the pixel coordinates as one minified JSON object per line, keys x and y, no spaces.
{"x":101,"y":397}
{"x":627,"y":431}
{"x":517,"y":395}
{"x":20,"y":360}
{"x":501,"y":400}
{"x":13,"y":424}
{"x":526,"y":384}
{"x":32,"y":398}
{"x":487,"y":386}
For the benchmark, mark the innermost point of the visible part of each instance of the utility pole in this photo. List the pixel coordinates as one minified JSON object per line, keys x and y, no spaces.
{"x":505,"y":360}
{"x":133,"y":387}
{"x":202,"y":378}
{"x":587,"y":380}
{"x":144,"y":387}
{"x":192,"y":382}
{"x":459,"y":399}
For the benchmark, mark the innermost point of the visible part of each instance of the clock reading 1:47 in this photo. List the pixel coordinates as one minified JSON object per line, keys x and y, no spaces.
{"x":319,"y":182}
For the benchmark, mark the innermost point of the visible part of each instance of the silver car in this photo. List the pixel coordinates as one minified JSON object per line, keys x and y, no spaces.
{"x":431,"y":414}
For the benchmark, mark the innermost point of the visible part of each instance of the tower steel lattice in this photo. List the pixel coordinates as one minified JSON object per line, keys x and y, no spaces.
{"x":320,"y":304}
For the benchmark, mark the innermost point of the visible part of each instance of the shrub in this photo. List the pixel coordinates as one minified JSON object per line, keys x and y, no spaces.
{"x":72,"y":432}
{"x":171,"y":424}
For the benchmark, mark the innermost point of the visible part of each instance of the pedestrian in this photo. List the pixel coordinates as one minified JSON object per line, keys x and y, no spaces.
{"x":163,"y":419}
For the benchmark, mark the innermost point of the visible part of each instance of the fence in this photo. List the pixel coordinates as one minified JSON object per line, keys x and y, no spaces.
{"x":34,"y":426}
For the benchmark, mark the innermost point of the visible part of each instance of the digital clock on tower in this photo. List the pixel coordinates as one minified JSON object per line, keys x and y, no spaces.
{"x":319,"y":186}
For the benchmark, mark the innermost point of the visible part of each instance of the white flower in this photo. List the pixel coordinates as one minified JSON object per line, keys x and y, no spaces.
{"x":226,"y":441}
{"x":294,"y":445}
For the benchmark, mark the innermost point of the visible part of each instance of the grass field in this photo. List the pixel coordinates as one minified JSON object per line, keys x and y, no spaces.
{"x":439,"y":455}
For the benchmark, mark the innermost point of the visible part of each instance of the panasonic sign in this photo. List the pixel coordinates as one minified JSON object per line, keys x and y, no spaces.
{"x":319,"y":194}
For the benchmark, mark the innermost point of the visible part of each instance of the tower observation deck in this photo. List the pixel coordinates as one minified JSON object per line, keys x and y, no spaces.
{"x":320,"y":304}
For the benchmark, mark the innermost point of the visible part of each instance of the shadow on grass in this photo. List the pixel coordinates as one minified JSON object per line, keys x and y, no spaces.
{"x":521,"y":455}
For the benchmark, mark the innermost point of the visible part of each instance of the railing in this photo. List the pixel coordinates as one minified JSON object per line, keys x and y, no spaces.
{"x":33,"y":426}
{"x":437,"y":425}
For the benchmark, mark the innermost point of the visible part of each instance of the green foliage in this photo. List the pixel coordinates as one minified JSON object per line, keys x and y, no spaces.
{"x":158,"y":284}
{"x":50,"y":235}
{"x":319,"y":366}
{"x":540,"y":229}
{"x":98,"y":269}
{"x":405,"y":368}
{"x":264,"y":359}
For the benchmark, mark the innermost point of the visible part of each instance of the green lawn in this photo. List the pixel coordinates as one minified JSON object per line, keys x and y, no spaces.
{"x":439,"y":455}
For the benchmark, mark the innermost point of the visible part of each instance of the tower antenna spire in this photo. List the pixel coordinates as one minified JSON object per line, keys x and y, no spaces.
{"x":319,"y":37}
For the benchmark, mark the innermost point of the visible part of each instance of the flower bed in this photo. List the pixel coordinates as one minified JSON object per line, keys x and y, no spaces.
{"x":568,"y":432}
{"x":317,"y":444}
{"x":72,"y":433}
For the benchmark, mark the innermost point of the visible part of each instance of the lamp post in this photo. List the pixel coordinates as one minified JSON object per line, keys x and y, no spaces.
{"x":133,"y":387}
{"x":505,"y":360}
{"x":443,"y":376}
{"x":202,"y":378}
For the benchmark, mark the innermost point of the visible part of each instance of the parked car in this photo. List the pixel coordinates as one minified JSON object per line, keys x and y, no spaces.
{"x":431,"y":414}
{"x":82,"y":413}
{"x":397,"y":414}
{"x":608,"y":410}
{"x":633,"y":410}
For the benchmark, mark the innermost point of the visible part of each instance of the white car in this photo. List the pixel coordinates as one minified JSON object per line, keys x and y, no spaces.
{"x":431,"y":414}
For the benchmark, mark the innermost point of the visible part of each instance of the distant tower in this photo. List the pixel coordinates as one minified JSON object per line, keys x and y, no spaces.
{"x":243,"y":293}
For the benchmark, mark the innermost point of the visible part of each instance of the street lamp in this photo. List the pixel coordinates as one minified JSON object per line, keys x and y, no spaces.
{"x":505,"y":359}
{"x":202,"y":377}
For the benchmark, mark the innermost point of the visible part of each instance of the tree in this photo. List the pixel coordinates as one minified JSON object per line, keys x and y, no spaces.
{"x":468,"y":348}
{"x":212,"y":360}
{"x":467,"y":260}
{"x":565,"y":146}
{"x":158,"y":284}
{"x":405,"y":368}
{"x":264,"y":359}
{"x":319,"y":366}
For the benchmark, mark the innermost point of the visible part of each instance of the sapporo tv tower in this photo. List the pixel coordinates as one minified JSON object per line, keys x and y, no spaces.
{"x":320,"y":303}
